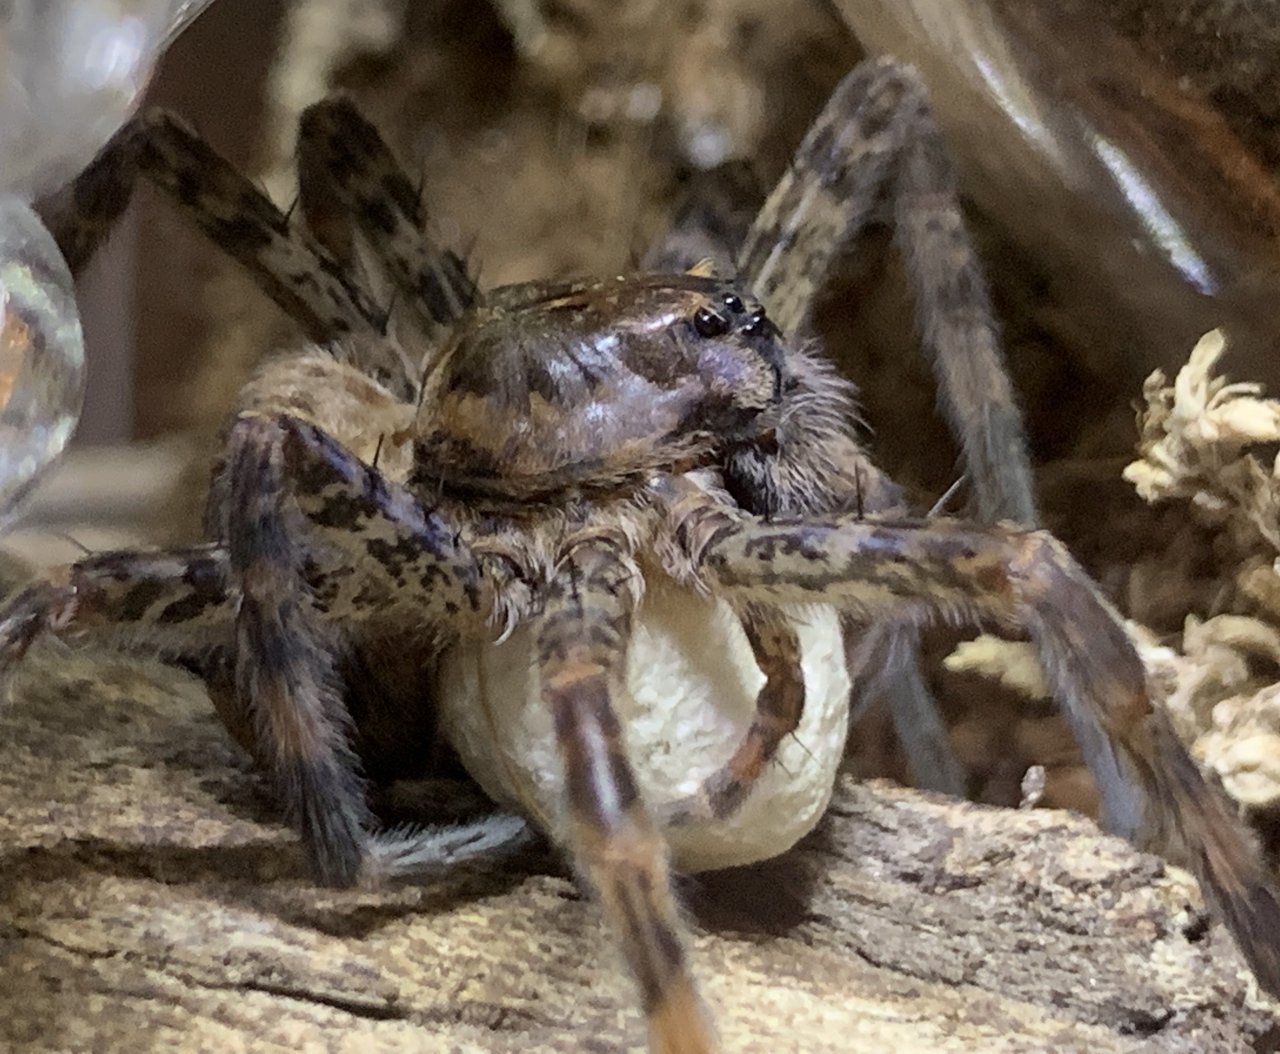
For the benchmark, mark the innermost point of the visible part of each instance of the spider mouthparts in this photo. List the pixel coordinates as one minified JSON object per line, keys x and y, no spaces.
{"x":767,"y":442}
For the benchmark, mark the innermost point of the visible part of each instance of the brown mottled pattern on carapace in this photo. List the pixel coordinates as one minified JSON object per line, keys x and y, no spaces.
{"x":554,"y":387}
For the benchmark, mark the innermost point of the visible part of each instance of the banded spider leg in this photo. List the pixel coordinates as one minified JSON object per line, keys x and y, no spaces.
{"x":874,"y":154}
{"x":900,"y":573}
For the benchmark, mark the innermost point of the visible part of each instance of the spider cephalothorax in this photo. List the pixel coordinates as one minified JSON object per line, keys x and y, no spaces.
{"x":546,"y":389}
{"x":525,"y":463}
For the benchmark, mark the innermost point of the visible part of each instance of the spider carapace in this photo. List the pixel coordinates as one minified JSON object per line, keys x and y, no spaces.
{"x":544,"y":389}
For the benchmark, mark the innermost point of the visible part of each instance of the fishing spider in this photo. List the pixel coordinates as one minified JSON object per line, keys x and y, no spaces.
{"x":530,"y":458}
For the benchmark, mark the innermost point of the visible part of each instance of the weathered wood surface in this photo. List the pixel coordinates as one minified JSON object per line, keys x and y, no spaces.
{"x":151,"y":902}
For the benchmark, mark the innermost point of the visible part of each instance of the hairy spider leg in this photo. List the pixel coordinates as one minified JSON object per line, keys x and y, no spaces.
{"x":181,"y":604}
{"x":293,"y":269}
{"x":830,"y":193}
{"x":715,"y":211}
{"x":818,"y":442}
{"x":894,"y":674}
{"x":297,"y":497}
{"x":177,"y":603}
{"x":876,"y":144}
{"x":918,"y":572}
{"x":581,"y":647}
{"x":349,"y":180}
{"x":692,"y":520}
{"x":779,"y":708}
{"x":313,"y":287}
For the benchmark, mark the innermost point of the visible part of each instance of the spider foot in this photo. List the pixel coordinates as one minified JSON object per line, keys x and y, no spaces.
{"x":1196,"y":826}
{"x":679,"y":1025}
{"x":46,"y":605}
{"x":415,"y":853}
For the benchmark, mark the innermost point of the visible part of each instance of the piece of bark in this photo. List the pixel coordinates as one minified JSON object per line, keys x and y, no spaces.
{"x":151,"y":901}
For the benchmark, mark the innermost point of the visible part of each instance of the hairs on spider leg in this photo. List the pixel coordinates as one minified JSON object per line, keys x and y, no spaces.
{"x":408,"y":852}
{"x":795,"y":738}
{"x":66,"y":536}
{"x":940,"y":505}
{"x":777,"y":760}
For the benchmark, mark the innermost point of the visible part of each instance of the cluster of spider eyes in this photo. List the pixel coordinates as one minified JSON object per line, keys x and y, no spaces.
{"x":708,"y":322}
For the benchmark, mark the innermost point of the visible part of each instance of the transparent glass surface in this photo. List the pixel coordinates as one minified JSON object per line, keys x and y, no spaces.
{"x":71,"y":73}
{"x":41,"y":351}
{"x":1148,"y":214}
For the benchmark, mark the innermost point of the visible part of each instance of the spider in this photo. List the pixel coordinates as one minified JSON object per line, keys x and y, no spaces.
{"x":465,"y":467}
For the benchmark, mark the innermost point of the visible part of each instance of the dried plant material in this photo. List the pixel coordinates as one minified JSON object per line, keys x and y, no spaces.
{"x":1033,"y":784}
{"x":1227,"y":712}
{"x":1012,"y":663}
{"x":1193,"y":440}
{"x":1258,"y":581}
{"x":1015,"y":753}
{"x":1212,"y":666}
{"x":1243,"y":747}
{"x":1196,"y":445}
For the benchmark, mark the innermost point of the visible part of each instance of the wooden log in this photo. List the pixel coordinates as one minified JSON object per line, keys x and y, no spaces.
{"x":152,"y":901}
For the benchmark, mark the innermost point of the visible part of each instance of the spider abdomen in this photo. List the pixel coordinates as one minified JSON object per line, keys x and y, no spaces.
{"x":595,"y":385}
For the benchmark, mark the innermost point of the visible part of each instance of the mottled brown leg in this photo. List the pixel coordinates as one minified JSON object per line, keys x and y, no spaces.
{"x":876,"y":148}
{"x":176,"y":602}
{"x":181,"y":604}
{"x":349,"y":182}
{"x":899,"y":681}
{"x":812,"y":449}
{"x":284,"y":666}
{"x":716,"y":209}
{"x":294,"y":270}
{"x":581,"y":647}
{"x":779,"y":707}
{"x":917,"y":572}
{"x":876,"y":153}
{"x":313,"y":531}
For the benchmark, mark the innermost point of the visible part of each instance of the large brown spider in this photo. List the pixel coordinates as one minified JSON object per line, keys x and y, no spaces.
{"x":420,"y":478}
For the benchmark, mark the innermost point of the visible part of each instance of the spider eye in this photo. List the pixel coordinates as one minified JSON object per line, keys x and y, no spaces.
{"x":710,"y":324}
{"x":733,"y":302}
{"x":757,"y":323}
